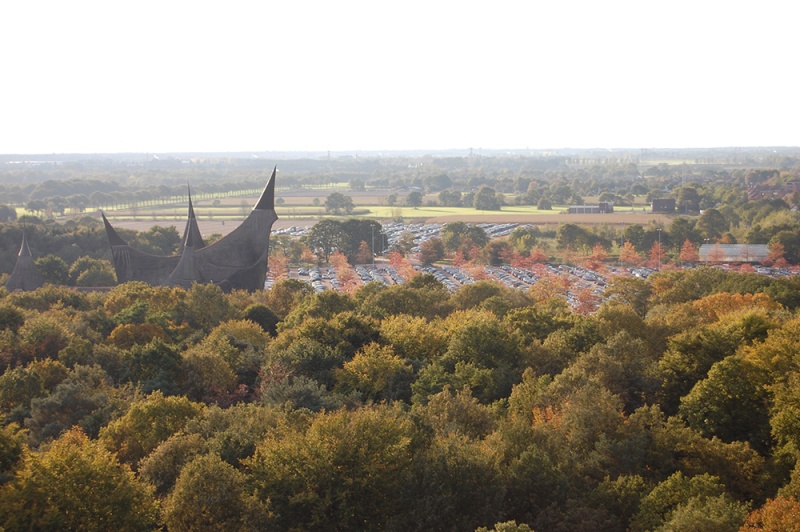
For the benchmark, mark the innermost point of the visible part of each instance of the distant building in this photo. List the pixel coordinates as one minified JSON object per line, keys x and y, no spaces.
{"x":737,"y":253}
{"x":602,"y":208}
{"x":663,"y":205}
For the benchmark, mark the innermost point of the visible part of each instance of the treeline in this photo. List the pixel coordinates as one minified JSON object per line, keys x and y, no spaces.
{"x":529,"y":179}
{"x":673,"y":407}
{"x":64,"y":251}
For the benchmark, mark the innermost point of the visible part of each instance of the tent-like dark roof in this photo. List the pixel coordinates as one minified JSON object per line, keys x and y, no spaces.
{"x":236,"y":261}
{"x":192,"y":229}
{"x":25,"y":276}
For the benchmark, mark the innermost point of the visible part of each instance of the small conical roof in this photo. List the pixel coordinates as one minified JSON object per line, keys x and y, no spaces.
{"x":25,"y":276}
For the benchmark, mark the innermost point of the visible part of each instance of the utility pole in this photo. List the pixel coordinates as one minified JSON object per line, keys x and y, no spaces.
{"x":659,"y":248}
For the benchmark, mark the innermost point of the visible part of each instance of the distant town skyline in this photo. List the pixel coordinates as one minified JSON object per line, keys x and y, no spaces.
{"x":162,"y":77}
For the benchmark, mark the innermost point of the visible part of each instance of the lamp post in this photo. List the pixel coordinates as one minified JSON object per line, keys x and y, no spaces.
{"x":659,"y":248}
{"x":372,"y":227}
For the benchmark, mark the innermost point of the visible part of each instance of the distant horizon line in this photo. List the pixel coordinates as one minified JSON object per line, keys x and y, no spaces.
{"x":415,"y":151}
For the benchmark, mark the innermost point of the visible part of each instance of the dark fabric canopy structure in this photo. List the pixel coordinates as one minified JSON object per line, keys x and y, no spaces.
{"x":25,"y":276}
{"x":236,"y":261}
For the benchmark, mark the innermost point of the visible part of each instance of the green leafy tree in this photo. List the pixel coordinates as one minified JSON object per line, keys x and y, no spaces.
{"x":449,"y":413}
{"x":523,"y":239}
{"x":210,"y":494}
{"x":325,"y":237}
{"x":790,"y":242}
{"x":147,"y":423}
{"x":241,"y":344}
{"x":356,"y":233}
{"x":361,"y":460}
{"x":450,"y":198}
{"x":414,"y":199}
{"x":206,"y":306}
{"x":85,"y":264}
{"x":457,"y":234}
{"x":688,"y":199}
{"x":76,"y":484}
{"x":455,"y":485}
{"x":731,"y":403}
{"x":155,"y":366}
{"x":377,"y":374}
{"x":263,"y":316}
{"x":158,"y":240}
{"x":53,"y":269}
{"x":635,"y":234}
{"x":486,"y":200}
{"x":338,"y":203}
{"x":712,"y":224}
{"x":667,"y":496}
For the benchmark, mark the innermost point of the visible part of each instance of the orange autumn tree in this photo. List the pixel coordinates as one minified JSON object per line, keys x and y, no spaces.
{"x":596,"y":259}
{"x":308,"y":256}
{"x":528,"y":262}
{"x":587,"y":301}
{"x":344,"y":272}
{"x":781,"y":514}
{"x":688,"y":252}
{"x":538,"y":256}
{"x":776,"y":256}
{"x":629,"y":255}
{"x":716,"y":305}
{"x":401,"y":265}
{"x":278,"y":266}
{"x":549,"y":286}
{"x":364,"y":255}
{"x":657,"y":256}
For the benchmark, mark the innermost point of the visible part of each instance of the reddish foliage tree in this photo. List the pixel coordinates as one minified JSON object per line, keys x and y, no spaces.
{"x":587,"y":301}
{"x":781,"y":514}
{"x":538,"y":256}
{"x":344,"y":272}
{"x":596,"y":259}
{"x":364,"y":255}
{"x":278,"y":265}
{"x":629,"y":255}
{"x":776,"y":256}
{"x":401,"y":265}
{"x":688,"y":252}
{"x":657,"y":256}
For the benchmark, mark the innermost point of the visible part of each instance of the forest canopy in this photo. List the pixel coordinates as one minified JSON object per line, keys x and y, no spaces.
{"x":671,"y":406}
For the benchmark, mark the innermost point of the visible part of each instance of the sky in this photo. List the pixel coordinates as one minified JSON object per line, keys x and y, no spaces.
{"x":173,"y":76}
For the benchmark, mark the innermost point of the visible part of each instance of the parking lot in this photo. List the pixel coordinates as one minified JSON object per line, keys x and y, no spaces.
{"x":582,"y":287}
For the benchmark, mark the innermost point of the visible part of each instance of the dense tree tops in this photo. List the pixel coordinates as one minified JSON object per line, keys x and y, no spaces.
{"x":674,"y":406}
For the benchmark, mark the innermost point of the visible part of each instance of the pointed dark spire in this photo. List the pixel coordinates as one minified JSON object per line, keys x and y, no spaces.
{"x":191,"y":206}
{"x":25,"y":275}
{"x":24,"y":249}
{"x":267,"y":200}
{"x":113,"y":238}
{"x":192,"y":229}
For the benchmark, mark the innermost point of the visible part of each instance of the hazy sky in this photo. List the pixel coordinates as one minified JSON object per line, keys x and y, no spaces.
{"x":166,"y":76}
